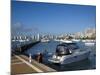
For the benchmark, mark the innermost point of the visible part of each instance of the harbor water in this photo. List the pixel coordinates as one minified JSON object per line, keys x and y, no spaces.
{"x":50,"y":47}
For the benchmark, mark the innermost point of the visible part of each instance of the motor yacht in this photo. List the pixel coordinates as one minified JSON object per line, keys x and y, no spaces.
{"x":67,"y":53}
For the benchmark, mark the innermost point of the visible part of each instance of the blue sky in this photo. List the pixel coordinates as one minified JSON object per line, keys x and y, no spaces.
{"x":52,"y":18}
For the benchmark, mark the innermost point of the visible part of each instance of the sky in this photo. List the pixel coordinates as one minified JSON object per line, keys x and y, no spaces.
{"x":36,"y":17}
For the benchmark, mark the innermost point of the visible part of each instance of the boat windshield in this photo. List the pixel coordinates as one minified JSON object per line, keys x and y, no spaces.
{"x":65,"y":49}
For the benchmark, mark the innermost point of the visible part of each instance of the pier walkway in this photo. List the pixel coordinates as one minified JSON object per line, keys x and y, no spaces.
{"x":20,"y":65}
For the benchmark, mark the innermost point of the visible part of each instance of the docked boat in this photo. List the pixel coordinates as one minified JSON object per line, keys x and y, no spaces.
{"x":45,"y":40}
{"x":67,"y":53}
{"x":89,"y":42}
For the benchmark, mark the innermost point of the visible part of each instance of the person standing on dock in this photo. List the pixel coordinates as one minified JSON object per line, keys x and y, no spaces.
{"x":40,"y":58}
{"x":30,"y":58}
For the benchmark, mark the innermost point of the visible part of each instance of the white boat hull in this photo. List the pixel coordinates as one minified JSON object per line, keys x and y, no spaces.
{"x":45,"y":40}
{"x":89,"y":44}
{"x":67,"y":59}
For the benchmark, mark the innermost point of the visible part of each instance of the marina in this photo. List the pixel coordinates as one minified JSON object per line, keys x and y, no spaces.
{"x":49,"y":37}
{"x":49,"y":48}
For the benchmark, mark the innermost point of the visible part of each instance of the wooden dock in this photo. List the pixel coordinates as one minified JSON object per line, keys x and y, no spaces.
{"x":20,"y":65}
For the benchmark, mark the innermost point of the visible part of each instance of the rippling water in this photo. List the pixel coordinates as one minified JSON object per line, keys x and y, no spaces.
{"x":51,"y":47}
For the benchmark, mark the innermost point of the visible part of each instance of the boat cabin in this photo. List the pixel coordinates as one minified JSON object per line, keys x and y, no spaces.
{"x":65,"y":48}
